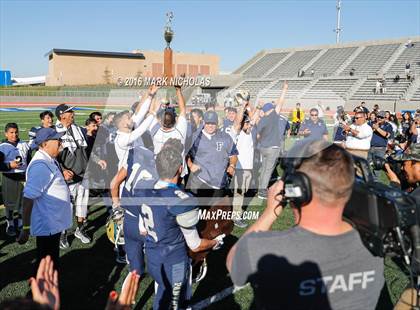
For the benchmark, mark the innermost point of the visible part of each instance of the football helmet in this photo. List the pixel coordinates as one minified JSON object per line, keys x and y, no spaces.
{"x":241,"y":96}
{"x":114,"y":226}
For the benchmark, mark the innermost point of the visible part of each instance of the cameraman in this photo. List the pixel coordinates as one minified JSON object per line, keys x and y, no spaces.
{"x":411,"y":169}
{"x":321,"y":263}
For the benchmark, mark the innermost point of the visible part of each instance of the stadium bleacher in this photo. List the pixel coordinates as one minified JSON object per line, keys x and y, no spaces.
{"x":259,"y":68}
{"x":394,"y":90}
{"x":371,"y":59}
{"x":293,"y":64}
{"x":296,"y":87}
{"x":330,"y":89}
{"x":266,"y":72}
{"x":254,"y":87}
{"x":328,"y":63}
{"x":416,"y":95}
{"x":411,"y":55}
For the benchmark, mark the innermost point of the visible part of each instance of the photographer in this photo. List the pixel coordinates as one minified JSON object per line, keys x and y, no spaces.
{"x":321,"y":263}
{"x":359,"y":135}
{"x":341,"y":118}
{"x":411,"y":170}
{"x":382,"y":131}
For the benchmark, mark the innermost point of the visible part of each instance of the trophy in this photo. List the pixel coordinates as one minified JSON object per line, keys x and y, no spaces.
{"x":167,"y":54}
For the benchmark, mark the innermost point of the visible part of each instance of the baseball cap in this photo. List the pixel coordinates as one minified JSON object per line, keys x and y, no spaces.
{"x":267,"y":107}
{"x":45,"y":134}
{"x":62,"y":108}
{"x":412,"y":153}
{"x":211,"y":117}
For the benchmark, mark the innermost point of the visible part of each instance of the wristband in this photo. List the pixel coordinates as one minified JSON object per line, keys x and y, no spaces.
{"x":27,"y":227}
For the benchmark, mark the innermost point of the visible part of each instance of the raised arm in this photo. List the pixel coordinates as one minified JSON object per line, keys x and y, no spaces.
{"x":240,"y":116}
{"x":144,"y":105}
{"x":181,"y":101}
{"x":280,"y":101}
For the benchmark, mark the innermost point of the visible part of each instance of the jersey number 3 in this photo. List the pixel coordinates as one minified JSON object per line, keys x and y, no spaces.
{"x":148,"y":221}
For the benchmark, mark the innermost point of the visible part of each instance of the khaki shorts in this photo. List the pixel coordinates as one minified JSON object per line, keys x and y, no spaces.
{"x":12,"y":192}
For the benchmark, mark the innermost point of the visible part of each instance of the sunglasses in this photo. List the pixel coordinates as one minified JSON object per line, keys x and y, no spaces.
{"x":358,"y":117}
{"x":314,"y":114}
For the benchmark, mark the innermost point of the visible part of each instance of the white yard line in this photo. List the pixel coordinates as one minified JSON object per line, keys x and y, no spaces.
{"x":217,"y":297}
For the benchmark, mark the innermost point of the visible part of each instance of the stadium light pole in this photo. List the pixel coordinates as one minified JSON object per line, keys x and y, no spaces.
{"x":338,"y":29}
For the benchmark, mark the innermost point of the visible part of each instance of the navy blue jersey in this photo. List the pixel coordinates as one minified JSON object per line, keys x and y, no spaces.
{"x":317,"y":129}
{"x":164,"y":240}
{"x":33,"y":131}
{"x":141,"y":174}
{"x":212,"y":154}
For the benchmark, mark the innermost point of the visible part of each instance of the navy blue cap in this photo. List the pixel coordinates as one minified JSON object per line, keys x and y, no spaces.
{"x":211,"y":117}
{"x":267,"y":107}
{"x":62,"y":108}
{"x":45,"y":134}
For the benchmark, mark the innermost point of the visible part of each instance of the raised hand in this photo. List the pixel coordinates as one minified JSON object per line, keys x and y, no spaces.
{"x":153,"y":89}
{"x":127,"y":296}
{"x":45,"y":287}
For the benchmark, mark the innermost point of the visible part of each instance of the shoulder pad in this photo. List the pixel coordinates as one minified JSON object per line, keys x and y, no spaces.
{"x":188,"y":219}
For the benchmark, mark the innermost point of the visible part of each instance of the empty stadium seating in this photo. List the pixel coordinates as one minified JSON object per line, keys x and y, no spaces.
{"x":416,"y":95}
{"x":266,"y":63}
{"x":328,"y":63}
{"x":332,"y":64}
{"x":330,"y":89}
{"x":411,"y":55}
{"x":294,"y":90}
{"x":293,"y":64}
{"x":394,"y":90}
{"x":371,"y":59}
{"x":253,"y":86}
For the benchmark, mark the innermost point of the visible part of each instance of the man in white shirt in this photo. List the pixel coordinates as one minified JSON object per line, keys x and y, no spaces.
{"x":47,"y":207}
{"x":242,"y":178}
{"x":169,"y":126}
{"x":359,"y":135}
{"x":127,"y":138}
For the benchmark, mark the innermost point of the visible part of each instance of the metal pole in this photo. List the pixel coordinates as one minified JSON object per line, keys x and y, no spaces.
{"x":338,"y":29}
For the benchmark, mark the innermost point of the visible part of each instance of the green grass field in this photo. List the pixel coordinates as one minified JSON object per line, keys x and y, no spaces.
{"x":89,"y":272}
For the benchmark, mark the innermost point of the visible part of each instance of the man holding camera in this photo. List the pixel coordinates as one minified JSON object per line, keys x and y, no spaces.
{"x":358,"y":136}
{"x":411,"y":169}
{"x":382,"y":131}
{"x":321,"y":263}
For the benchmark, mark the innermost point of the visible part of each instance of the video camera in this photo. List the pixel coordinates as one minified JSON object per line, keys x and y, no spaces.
{"x":386,"y":218}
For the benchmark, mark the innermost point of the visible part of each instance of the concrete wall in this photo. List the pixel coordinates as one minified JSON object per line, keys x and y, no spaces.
{"x":92,"y":70}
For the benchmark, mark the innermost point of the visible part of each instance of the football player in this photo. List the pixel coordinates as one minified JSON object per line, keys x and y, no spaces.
{"x":170,"y":216}
{"x":141,"y":175}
